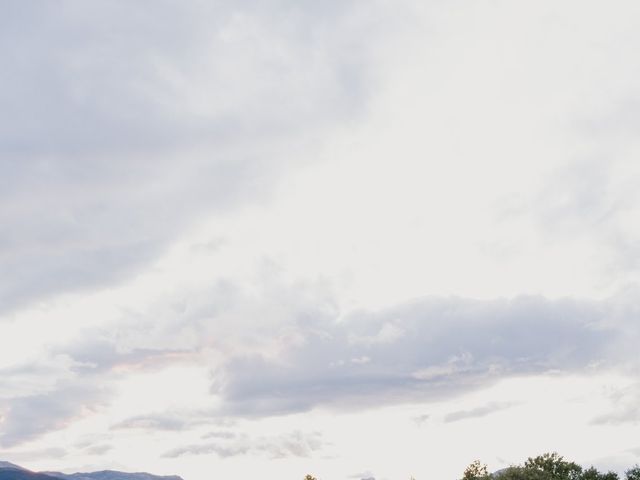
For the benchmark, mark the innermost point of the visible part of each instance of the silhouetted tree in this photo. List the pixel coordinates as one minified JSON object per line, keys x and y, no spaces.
{"x":522,"y":473}
{"x":554,"y":466}
{"x":548,"y":466}
{"x":633,"y":473}
{"x":476,"y":471}
{"x":592,"y":474}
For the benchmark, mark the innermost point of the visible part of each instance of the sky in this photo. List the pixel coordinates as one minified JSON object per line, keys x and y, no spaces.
{"x":357,"y":239}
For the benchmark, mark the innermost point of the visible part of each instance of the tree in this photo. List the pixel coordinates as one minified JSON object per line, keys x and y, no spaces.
{"x":633,"y":473}
{"x":554,"y":466}
{"x":476,"y":471}
{"x":592,"y":474}
{"x":548,"y":466}
{"x":609,"y":476}
{"x":522,"y":473}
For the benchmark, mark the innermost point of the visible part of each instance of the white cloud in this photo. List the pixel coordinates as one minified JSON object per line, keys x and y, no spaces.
{"x":224,"y":223}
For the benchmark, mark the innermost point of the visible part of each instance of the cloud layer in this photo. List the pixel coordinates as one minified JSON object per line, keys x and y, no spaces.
{"x":249,"y":230}
{"x":151,"y":120}
{"x":427,"y":349}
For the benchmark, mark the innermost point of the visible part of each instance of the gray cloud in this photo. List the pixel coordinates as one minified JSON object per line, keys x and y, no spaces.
{"x":363,"y":476}
{"x":179,"y":420}
{"x":153,"y":422}
{"x":420,"y":419}
{"x":98,"y":449}
{"x":122,"y":125}
{"x":626,"y":407}
{"x":430,"y":348}
{"x":48,"y":394}
{"x":219,"y":434}
{"x":96,"y":354}
{"x":449,"y":346}
{"x":482,"y":411}
{"x":207,"y":449}
{"x":592,"y":199}
{"x":32,"y":455}
{"x":118,"y":77}
{"x":295,"y":444}
{"x":25,"y":418}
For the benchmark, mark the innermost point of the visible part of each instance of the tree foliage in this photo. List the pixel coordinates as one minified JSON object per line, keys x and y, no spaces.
{"x":476,"y":471}
{"x":523,"y":473}
{"x":554,"y":466}
{"x":548,"y":466}
{"x":633,"y":473}
{"x":593,"y":474}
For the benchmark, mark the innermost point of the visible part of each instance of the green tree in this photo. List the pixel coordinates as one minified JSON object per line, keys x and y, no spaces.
{"x":522,"y":473}
{"x":592,"y":474}
{"x":476,"y":471}
{"x":555,"y":466}
{"x":548,"y":466}
{"x":633,"y":473}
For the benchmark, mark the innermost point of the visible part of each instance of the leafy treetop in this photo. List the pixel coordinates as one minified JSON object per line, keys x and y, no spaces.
{"x":548,"y":466}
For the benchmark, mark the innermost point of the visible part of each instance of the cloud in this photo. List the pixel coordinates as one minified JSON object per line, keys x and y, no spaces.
{"x":121,"y":127}
{"x":451,"y":345}
{"x":305,"y":357}
{"x":208,"y":448}
{"x":98,"y":449}
{"x":37,"y":454}
{"x":219,"y":434}
{"x":93,"y":352}
{"x":366,"y":475}
{"x":153,"y":422}
{"x":36,"y":376}
{"x":55,"y":390}
{"x":482,"y":411}
{"x":175,"y":420}
{"x":180,"y":74}
{"x":126,"y":131}
{"x":26,"y":418}
{"x":588,"y":202}
{"x":294,"y":444}
{"x":420,"y":419}
{"x":625,"y":409}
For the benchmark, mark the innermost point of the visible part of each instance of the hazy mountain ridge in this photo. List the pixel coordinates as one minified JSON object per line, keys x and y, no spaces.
{"x":10,"y":471}
{"x":112,"y":475}
{"x":14,"y":472}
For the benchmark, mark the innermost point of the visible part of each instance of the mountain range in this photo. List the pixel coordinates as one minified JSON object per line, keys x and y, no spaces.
{"x":10,"y":471}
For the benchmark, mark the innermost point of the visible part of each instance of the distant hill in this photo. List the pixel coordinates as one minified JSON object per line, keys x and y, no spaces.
{"x":10,"y":465}
{"x":10,"y":471}
{"x":111,"y":475}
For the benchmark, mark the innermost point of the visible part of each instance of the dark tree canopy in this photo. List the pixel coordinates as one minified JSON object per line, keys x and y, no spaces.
{"x":554,"y":466}
{"x":476,"y":471}
{"x":548,"y":466}
{"x":633,"y":473}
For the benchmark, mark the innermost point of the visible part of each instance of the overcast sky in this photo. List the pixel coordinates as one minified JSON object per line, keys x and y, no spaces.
{"x":259,"y":239}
